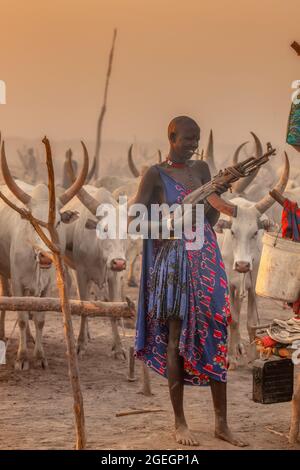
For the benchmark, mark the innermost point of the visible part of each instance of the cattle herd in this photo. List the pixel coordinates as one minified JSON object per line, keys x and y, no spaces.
{"x":106,"y":265}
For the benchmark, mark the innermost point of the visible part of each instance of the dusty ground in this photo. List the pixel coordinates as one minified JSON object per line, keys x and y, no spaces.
{"x":36,"y":406}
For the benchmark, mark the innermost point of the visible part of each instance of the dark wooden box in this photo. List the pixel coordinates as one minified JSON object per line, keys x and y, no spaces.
{"x":273,"y":380}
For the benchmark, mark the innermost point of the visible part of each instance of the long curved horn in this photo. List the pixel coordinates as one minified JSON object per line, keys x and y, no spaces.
{"x":235,"y":157}
{"x":159,"y":156}
{"x":209,"y":154}
{"x":79,"y":182}
{"x":88,"y":201}
{"x":258,"y":145}
{"x":267,"y":201}
{"x":84,"y":197}
{"x":131,"y":164}
{"x":10,"y":182}
{"x":240,"y":186}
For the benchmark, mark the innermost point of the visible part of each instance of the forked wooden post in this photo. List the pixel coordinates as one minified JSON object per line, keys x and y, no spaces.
{"x":65,"y":307}
{"x":53,"y":245}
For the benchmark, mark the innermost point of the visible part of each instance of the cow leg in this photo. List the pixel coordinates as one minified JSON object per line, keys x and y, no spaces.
{"x":295,"y":419}
{"x":82,"y":283}
{"x":131,"y":272}
{"x":4,"y":291}
{"x":235,"y":346}
{"x":2,"y":325}
{"x":29,"y":336}
{"x":251,"y":321}
{"x":22,"y":362}
{"x":38,"y":353}
{"x":115,"y":292}
{"x":118,"y":350}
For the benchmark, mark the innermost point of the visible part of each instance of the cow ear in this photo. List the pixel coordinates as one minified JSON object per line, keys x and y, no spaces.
{"x":68,"y":217}
{"x":91,"y":224}
{"x":221,"y":224}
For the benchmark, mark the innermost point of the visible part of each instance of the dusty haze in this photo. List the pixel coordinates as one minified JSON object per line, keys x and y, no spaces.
{"x":227,"y":63}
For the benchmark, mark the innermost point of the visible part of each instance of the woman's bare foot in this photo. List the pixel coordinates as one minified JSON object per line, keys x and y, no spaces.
{"x":225,"y":434}
{"x":184,"y":436}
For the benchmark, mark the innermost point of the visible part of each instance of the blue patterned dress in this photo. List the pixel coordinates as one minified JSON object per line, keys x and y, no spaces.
{"x":191,"y":285}
{"x":293,"y":129}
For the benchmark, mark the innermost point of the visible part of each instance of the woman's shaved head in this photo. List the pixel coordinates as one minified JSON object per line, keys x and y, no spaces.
{"x":180,"y":122}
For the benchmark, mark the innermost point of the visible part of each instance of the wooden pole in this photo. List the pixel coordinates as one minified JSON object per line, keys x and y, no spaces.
{"x":77,"y":307}
{"x":295,"y":419}
{"x":65,"y":307}
{"x":103,"y":109}
{"x":131,"y":377}
{"x":71,"y":353}
{"x":146,"y":389}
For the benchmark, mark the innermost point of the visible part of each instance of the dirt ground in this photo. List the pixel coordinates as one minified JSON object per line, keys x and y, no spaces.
{"x":36,"y":405}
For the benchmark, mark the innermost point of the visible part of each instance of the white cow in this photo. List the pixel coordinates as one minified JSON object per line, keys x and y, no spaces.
{"x":24,"y":258}
{"x":241,"y":251}
{"x":95,"y":260}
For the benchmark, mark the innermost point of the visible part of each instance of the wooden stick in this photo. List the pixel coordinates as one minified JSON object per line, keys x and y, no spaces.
{"x":131,"y":377}
{"x":65,"y":308}
{"x":77,"y":307}
{"x":276,"y":432}
{"x":277,"y":196}
{"x":51,"y":185}
{"x":103,"y":109}
{"x":137,"y":412}
{"x":146,"y":389}
{"x":295,"y":419}
{"x":71,"y":353}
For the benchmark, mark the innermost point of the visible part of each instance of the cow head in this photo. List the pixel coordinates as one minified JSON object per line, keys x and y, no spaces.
{"x":245,"y":230}
{"x":37,"y":202}
{"x":244,"y":234}
{"x":113,"y":249}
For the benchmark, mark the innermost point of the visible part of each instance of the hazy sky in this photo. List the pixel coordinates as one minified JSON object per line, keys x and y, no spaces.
{"x":226,"y":63}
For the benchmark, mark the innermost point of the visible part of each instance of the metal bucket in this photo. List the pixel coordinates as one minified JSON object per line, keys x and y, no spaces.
{"x":279,"y":270}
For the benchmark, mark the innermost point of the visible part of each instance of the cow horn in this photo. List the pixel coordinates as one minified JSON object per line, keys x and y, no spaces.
{"x":88,"y":201}
{"x":235,"y":157}
{"x":131,"y":164}
{"x":10,"y":182}
{"x":240,"y":186}
{"x":79,"y":182}
{"x":84,"y":197}
{"x":209,"y":154}
{"x":267,"y":201}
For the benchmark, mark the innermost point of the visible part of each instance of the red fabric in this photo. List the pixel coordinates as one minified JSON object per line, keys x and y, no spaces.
{"x":290,"y":221}
{"x":267,"y":342}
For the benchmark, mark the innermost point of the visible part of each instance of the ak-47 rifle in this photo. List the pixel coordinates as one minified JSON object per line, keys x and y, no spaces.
{"x":229,"y":175}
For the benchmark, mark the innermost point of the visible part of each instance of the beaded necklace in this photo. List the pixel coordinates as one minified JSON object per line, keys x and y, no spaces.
{"x":172,"y":164}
